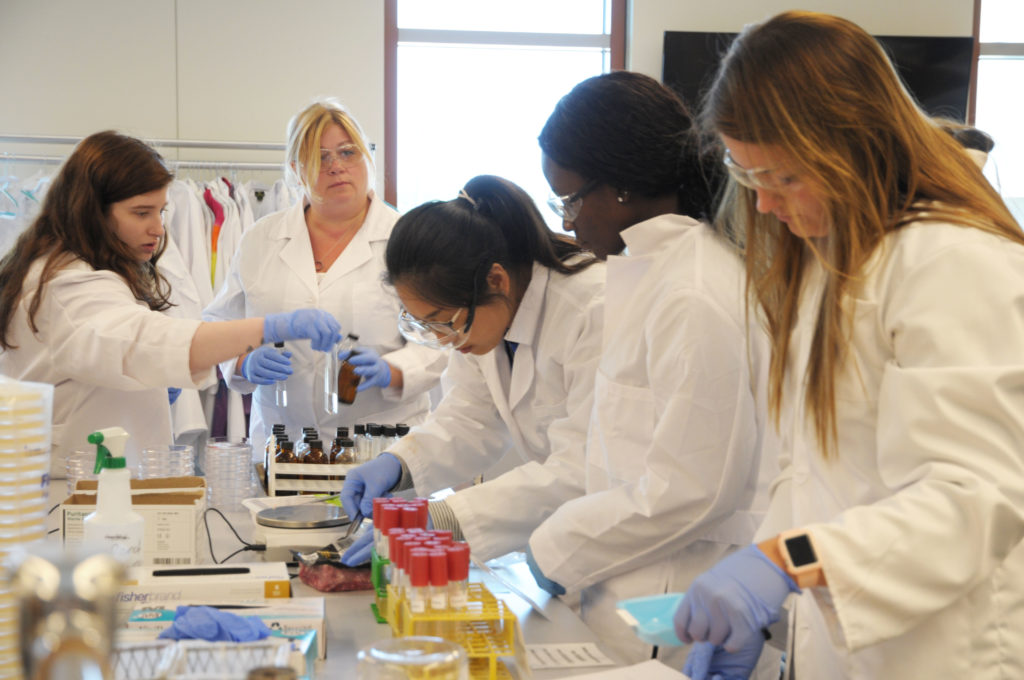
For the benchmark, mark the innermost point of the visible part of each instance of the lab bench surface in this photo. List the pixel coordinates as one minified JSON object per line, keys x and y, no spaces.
{"x":350,"y":624}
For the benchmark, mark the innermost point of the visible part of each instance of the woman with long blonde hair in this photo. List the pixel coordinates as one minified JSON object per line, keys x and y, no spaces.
{"x":891,"y":276}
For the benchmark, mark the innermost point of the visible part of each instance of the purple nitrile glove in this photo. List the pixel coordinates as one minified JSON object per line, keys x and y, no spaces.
{"x":708,"y":662}
{"x":730,"y":604}
{"x":265,"y":365}
{"x":359,"y":552}
{"x":210,"y":623}
{"x":322,"y":329}
{"x":368,"y":481}
{"x":375,"y":372}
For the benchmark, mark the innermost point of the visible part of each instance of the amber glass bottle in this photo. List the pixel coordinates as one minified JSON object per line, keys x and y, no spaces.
{"x":348,"y":381}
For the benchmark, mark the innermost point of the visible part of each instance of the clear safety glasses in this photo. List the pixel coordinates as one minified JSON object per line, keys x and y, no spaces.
{"x":345,"y":155}
{"x":436,"y":334}
{"x":768,"y":179}
{"x":568,"y":206}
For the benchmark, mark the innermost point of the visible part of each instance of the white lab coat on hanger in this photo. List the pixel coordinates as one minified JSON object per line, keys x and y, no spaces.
{"x":109,"y":357}
{"x":186,"y":224}
{"x":273,"y":272}
{"x":538,"y":409}
{"x":677,"y":470}
{"x":917,"y":521}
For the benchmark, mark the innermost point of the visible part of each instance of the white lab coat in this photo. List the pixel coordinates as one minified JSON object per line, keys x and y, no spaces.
{"x":917,"y":521}
{"x":273,"y":271}
{"x":539,"y":409}
{"x":109,"y":357}
{"x":677,"y":472}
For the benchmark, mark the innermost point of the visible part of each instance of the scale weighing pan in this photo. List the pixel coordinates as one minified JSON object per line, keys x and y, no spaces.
{"x":303,"y":516}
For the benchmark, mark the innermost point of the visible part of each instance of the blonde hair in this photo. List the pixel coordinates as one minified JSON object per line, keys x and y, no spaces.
{"x":822,"y":90}
{"x":305,"y":129}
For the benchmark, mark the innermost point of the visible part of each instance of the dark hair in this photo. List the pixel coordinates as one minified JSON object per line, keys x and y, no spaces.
{"x":74,"y":222}
{"x":629,"y":131}
{"x":445,"y":249}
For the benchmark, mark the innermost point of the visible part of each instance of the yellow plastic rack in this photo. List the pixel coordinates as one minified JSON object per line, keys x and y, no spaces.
{"x":487,"y":629}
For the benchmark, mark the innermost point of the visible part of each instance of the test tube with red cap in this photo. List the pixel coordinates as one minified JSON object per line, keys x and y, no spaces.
{"x":418,"y":593}
{"x":438,"y":579}
{"x":410,"y":517}
{"x":458,"y":575}
{"x":386,"y":516}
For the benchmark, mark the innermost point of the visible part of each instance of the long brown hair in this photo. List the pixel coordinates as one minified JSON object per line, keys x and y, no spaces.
{"x":74,"y":222}
{"x":823,"y":91}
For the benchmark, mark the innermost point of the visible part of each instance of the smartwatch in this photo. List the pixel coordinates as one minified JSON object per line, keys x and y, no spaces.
{"x":800,"y":557}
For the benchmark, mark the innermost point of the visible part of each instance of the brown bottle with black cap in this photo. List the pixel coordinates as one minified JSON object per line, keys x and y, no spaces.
{"x":348,"y":381}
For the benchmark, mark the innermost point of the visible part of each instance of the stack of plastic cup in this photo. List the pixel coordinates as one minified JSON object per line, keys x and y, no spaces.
{"x":26,"y":412}
{"x":175,"y":460}
{"x":230,"y":476}
{"x":80,"y":464}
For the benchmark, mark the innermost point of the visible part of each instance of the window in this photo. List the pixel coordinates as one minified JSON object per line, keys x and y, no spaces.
{"x":1000,"y":96}
{"x":474,"y":82}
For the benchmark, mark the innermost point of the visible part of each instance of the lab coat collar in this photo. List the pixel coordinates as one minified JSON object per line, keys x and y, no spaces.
{"x":650,"y":235}
{"x":523,"y":331}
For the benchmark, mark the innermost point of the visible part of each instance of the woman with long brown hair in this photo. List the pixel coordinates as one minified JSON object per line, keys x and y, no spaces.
{"x":891,"y":276}
{"x":81,"y":296}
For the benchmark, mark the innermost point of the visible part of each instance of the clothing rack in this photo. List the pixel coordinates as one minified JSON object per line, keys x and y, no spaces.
{"x":173,"y":143}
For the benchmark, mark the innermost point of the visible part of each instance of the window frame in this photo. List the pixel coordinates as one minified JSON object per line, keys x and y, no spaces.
{"x":616,"y":44}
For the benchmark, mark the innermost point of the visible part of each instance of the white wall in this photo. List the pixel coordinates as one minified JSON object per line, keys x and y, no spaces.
{"x":649,"y":19}
{"x":230,"y":70}
{"x":238,"y":69}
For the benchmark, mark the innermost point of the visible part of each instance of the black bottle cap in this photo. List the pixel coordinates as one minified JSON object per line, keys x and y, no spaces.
{"x":360,"y":429}
{"x":316,"y":444}
{"x":389,"y":430}
{"x":346,"y":443}
{"x":402,"y":429}
{"x":374,"y":429}
{"x":342,"y":431}
{"x":287,"y":445}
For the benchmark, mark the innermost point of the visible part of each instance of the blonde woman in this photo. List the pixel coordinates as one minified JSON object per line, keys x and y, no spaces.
{"x":892,"y":278}
{"x":327,"y":252}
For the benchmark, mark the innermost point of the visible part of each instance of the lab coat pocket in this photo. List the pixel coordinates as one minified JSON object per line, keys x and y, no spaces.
{"x":620,"y":432}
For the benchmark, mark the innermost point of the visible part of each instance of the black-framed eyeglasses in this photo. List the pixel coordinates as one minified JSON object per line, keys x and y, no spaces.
{"x":568,"y":206}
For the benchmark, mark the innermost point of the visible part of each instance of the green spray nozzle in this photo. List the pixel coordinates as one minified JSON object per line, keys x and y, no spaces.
{"x":109,"y":443}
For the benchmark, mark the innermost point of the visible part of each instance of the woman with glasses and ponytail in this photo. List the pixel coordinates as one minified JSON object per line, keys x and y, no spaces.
{"x":522,"y":308}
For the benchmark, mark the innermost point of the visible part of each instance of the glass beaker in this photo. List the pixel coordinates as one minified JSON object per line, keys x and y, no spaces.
{"x":420,"y":657}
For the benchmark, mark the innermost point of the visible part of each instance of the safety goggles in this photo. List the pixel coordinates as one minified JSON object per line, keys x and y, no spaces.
{"x":436,"y":334}
{"x":767,"y":179}
{"x":568,"y":206}
{"x":345,"y":155}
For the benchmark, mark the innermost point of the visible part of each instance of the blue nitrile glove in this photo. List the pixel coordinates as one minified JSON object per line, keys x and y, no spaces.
{"x":543,"y":581}
{"x":210,"y":623}
{"x":266,"y":364}
{"x":368,"y":481}
{"x":375,"y":371}
{"x":320,"y":327}
{"x":173,"y":393}
{"x":730,"y":603}
{"x":359,"y":552}
{"x":708,"y":662}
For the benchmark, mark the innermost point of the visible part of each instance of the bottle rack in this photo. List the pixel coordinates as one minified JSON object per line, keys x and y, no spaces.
{"x":316,"y":477}
{"x":487,"y":629}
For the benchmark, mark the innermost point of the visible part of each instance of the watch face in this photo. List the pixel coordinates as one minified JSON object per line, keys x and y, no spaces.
{"x":800,"y":550}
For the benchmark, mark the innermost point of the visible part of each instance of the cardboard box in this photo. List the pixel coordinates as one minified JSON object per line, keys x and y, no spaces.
{"x":172,"y":508}
{"x":292,"y":618}
{"x":208,"y":584}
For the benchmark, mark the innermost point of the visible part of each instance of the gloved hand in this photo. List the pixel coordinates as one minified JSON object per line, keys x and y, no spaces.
{"x":543,"y":581}
{"x":265,"y":365}
{"x":706,"y":661}
{"x":210,"y":623}
{"x":375,"y":371}
{"x":369,"y":481}
{"x":320,"y":327}
{"x":359,"y":552}
{"x":729,"y":604}
{"x":173,"y":393}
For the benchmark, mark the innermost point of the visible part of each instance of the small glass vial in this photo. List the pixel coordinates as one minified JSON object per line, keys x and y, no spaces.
{"x":375,"y":433}
{"x":418,"y":569}
{"x":281,"y":386}
{"x":458,"y":575}
{"x":389,"y":434}
{"x":346,"y":452}
{"x":362,"y":441}
{"x":438,"y":579}
{"x":315,"y":455}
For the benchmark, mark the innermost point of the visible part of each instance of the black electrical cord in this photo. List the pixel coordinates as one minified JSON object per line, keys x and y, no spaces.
{"x":245,"y":544}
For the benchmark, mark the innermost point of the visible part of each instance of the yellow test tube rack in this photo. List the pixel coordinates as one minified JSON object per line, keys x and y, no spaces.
{"x":486,"y":628}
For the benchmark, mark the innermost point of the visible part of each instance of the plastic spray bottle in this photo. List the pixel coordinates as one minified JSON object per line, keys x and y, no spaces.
{"x":114,"y":524}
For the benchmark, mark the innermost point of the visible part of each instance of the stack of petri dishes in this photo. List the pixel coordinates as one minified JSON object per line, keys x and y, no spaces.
{"x":230,"y":475}
{"x":26,"y":412}
{"x":175,"y":460}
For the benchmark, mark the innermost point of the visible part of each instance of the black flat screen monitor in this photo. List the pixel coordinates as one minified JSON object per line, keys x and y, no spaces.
{"x":936,"y":70}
